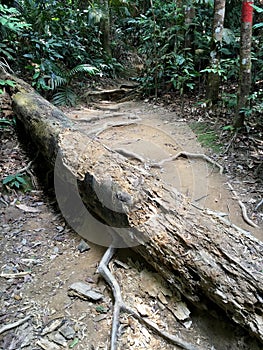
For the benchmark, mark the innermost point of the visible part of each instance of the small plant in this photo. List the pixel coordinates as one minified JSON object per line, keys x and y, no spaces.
{"x":229,"y":100}
{"x":229,"y":128}
{"x":63,"y":81}
{"x":52,"y":77}
{"x":6,"y":82}
{"x":16,"y":181}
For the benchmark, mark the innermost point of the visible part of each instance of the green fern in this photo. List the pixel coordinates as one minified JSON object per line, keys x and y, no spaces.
{"x":61,"y":80}
{"x":83,"y":68}
{"x":64,"y":97}
{"x":56,"y":81}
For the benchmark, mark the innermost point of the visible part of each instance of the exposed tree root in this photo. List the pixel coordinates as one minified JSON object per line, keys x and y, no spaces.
{"x":243,"y":208}
{"x":190,"y":155}
{"x":98,"y":118}
{"x":129,"y":154}
{"x":109,"y":125}
{"x":119,"y":306}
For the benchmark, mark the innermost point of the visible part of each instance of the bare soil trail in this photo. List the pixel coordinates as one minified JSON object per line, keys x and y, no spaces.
{"x":41,"y":257}
{"x":154,"y":134}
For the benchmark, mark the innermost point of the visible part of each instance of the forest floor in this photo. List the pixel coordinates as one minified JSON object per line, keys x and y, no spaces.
{"x":41,"y":257}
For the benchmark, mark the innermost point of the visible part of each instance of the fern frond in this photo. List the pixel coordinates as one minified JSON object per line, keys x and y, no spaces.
{"x":64,"y":97}
{"x":83,"y":68}
{"x":56,"y":81}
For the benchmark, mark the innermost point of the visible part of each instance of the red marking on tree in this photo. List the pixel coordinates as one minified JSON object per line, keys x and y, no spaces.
{"x":247,"y":12}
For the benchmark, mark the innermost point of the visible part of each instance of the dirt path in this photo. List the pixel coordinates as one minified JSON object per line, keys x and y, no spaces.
{"x":155,"y":134}
{"x":41,"y":257}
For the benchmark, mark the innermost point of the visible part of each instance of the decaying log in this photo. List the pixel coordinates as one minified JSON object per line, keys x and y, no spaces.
{"x":197,"y":251}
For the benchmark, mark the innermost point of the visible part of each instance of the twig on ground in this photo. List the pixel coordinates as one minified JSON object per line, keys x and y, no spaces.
{"x":119,"y":306}
{"x":15,"y":275}
{"x":230,"y":143}
{"x":259,"y":205}
{"x":242,"y":206}
{"x":27,"y":167}
{"x":7,"y":327}
{"x":33,"y":178}
{"x":190,"y":155}
{"x":3,"y":201}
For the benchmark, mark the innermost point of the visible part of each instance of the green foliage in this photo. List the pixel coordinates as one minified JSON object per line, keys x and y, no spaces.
{"x":229,"y":100}
{"x":228,"y":128}
{"x":74,"y":342}
{"x":61,"y":33}
{"x":47,"y":39}
{"x":12,"y":25}
{"x":60,"y":39}
{"x":215,"y":69}
{"x":101,"y":309}
{"x":61,"y":79}
{"x":10,"y":20}
{"x":255,"y":104}
{"x":257,"y":8}
{"x":6,"y":82}
{"x":161,"y":35}
{"x":16,"y":181}
{"x":64,"y":97}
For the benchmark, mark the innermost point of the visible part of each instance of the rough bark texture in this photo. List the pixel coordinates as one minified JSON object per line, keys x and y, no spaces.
{"x":198,"y":252}
{"x":105,"y":27}
{"x":189,"y":35}
{"x":218,"y":26}
{"x":245,"y":61}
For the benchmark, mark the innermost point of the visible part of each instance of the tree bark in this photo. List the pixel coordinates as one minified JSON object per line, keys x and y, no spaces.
{"x":105,"y":27}
{"x":197,"y":251}
{"x":189,"y":34}
{"x":245,"y":61}
{"x":218,"y":26}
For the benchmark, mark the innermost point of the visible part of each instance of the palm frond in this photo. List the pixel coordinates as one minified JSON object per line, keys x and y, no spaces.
{"x":83,"y":68}
{"x":57,"y":81}
{"x":64,"y":97}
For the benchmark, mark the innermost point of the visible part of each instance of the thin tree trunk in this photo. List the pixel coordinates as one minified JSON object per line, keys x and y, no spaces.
{"x":218,"y":26}
{"x":189,"y":35}
{"x":105,"y":27}
{"x":245,"y":62}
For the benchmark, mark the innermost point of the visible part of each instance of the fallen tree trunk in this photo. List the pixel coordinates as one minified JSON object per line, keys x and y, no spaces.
{"x":197,"y":251}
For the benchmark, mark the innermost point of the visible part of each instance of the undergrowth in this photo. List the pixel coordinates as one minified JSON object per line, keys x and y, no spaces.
{"x":207,"y":136}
